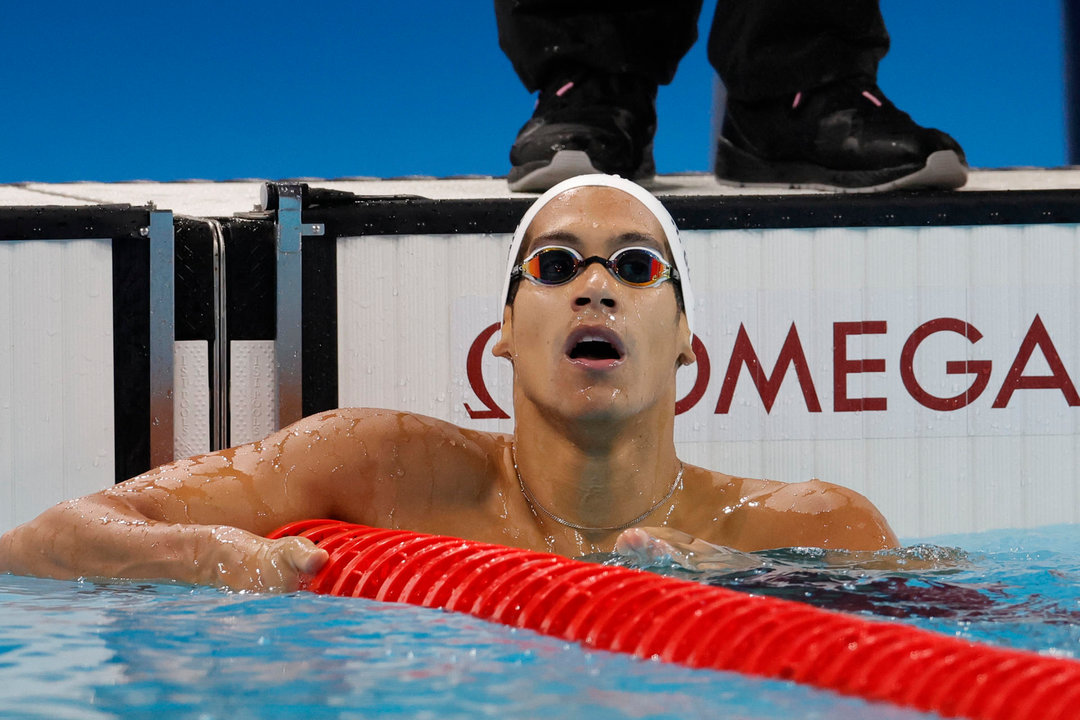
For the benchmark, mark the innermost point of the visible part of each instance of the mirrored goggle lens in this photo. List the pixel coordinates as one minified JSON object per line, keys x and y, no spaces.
{"x":634,"y":266}
{"x":552,"y":265}
{"x":637,"y":266}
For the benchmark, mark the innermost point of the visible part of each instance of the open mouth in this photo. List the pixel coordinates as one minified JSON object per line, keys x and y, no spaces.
{"x":594,"y":350}
{"x":594,"y":346}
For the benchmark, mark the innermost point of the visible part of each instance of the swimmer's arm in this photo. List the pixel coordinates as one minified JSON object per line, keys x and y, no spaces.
{"x":92,"y":538}
{"x":198,"y":520}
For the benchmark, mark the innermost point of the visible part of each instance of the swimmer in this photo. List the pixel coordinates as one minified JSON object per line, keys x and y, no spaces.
{"x":597,"y":319}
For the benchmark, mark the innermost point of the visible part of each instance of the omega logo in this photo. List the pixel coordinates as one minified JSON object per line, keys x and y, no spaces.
{"x":792,"y":357}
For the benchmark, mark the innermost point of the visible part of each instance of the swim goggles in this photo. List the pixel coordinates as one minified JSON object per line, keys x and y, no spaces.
{"x":639,"y":267}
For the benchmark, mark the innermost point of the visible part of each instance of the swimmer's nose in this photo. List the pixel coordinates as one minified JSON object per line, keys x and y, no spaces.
{"x":595,"y":286}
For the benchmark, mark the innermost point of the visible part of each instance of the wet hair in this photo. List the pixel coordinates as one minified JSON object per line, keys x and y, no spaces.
{"x":683,"y":296}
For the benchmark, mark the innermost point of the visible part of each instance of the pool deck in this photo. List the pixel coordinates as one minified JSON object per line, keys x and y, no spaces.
{"x":204,"y":198}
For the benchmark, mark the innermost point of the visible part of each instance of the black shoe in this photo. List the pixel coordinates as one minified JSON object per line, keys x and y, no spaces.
{"x":586,"y":124}
{"x":844,"y":136}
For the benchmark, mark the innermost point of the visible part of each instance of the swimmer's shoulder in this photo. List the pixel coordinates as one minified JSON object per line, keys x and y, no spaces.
{"x":365,"y":424}
{"x":828,"y":515}
{"x":812,"y":513}
{"x":381,"y":467}
{"x":409,"y":445}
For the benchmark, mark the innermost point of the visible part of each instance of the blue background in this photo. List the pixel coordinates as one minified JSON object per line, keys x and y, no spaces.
{"x":217,"y":90}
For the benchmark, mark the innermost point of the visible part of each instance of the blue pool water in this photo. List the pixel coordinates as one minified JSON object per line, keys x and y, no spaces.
{"x":92,"y":650}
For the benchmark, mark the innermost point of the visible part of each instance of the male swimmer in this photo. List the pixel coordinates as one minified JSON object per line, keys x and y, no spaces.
{"x":597,"y":319}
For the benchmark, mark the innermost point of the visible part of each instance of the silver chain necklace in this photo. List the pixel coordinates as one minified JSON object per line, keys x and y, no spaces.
{"x":533,"y":502}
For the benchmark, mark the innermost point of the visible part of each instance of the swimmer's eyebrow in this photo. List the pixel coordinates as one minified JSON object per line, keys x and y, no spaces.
{"x":555,"y":237}
{"x":641,"y":239}
{"x":569,"y":239}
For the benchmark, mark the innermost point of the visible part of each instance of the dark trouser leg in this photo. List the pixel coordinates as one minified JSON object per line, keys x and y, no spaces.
{"x":804,"y":109}
{"x":639,"y":37}
{"x":766,"y":48}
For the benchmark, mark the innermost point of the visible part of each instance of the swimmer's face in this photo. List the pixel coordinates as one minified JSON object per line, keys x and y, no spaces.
{"x":594,"y":346}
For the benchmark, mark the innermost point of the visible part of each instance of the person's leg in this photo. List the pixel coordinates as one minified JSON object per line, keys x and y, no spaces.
{"x":804,"y":108}
{"x":766,"y":48}
{"x":597,"y":65}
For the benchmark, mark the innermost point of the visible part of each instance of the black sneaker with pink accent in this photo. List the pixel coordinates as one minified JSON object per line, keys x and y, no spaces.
{"x":586,"y":123}
{"x":845,"y":136}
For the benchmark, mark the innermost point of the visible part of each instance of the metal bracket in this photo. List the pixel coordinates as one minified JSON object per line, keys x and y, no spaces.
{"x":219,"y":371}
{"x":162,"y":335}
{"x":288,"y":346}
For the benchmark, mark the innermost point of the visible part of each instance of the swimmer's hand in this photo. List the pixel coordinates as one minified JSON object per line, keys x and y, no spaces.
{"x":661,"y":546}
{"x":239,"y":560}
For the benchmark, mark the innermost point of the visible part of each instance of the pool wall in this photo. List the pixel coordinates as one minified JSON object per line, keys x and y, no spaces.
{"x":922,"y":349}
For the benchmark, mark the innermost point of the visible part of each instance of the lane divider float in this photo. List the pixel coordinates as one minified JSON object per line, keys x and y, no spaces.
{"x":701,"y":626}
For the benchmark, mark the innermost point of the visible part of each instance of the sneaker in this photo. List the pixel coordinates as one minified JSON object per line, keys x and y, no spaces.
{"x":586,"y":124}
{"x":845,"y":136}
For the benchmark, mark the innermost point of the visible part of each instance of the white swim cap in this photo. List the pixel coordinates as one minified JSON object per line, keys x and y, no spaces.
{"x":671,"y":232}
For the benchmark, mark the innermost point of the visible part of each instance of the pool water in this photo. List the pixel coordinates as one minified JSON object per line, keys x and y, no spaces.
{"x":1014,"y":588}
{"x":111,"y":650}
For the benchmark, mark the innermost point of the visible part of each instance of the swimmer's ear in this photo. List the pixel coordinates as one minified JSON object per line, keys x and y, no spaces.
{"x":503,"y":347}
{"x":685,"y":344}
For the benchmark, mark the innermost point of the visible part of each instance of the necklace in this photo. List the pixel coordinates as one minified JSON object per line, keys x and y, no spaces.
{"x":534,"y":503}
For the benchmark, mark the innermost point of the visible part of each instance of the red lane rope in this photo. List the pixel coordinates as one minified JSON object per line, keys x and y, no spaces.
{"x":648,"y":615}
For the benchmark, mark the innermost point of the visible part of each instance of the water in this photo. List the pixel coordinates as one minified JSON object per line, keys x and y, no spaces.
{"x":1016,"y":588}
{"x":91,"y":650}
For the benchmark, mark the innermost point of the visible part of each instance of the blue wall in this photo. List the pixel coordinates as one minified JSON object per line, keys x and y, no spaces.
{"x":142,"y":90}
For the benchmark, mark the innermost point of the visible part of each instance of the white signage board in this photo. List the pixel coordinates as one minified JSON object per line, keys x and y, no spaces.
{"x":934,"y":369}
{"x":56,"y":374}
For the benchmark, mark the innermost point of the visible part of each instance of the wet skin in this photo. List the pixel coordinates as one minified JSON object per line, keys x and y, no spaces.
{"x":593,"y":442}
